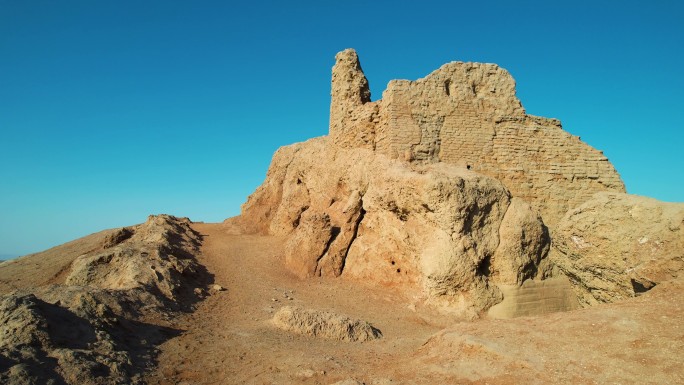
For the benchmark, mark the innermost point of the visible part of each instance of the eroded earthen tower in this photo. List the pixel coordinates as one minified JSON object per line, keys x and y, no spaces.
{"x":468,"y":114}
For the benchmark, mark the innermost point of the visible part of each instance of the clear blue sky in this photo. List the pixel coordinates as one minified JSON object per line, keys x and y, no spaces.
{"x":113,"y":110}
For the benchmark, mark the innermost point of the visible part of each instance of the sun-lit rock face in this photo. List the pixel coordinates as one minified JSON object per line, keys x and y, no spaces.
{"x":617,"y":246}
{"x":452,"y":233}
{"x":156,"y":256}
{"x":468,"y":114}
{"x":90,"y":322}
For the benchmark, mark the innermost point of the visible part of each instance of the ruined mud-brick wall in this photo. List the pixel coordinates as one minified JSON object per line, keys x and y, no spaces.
{"x":468,"y":114}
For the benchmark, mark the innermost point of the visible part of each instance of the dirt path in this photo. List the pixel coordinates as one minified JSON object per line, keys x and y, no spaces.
{"x":230,"y":340}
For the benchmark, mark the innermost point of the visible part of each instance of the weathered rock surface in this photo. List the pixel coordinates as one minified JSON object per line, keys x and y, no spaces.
{"x":632,"y":342}
{"x":155,"y":258}
{"x":306,"y":247}
{"x":350,"y":211}
{"x":617,"y":246}
{"x":524,"y":241}
{"x":535,"y":297}
{"x":77,"y":340}
{"x":468,"y":114}
{"x":324,"y":324}
{"x":352,"y":116}
{"x":89,"y":328}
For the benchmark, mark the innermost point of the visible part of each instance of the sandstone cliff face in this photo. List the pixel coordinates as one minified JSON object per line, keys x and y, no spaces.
{"x":617,"y":246}
{"x":467,"y":114}
{"x":452,"y":232}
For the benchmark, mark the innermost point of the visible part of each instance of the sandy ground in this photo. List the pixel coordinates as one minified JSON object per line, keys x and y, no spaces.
{"x":230,"y":340}
{"x":47,"y":267}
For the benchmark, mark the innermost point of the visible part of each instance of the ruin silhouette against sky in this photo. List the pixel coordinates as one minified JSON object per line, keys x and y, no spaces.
{"x":113,"y":111}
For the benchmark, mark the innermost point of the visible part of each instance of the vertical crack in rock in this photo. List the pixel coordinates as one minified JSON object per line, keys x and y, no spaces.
{"x":346,"y":219}
{"x":334,"y":232}
{"x":353,"y":238}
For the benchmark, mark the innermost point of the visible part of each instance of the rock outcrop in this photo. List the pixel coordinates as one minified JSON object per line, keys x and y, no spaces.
{"x":324,"y":324}
{"x":442,"y":184}
{"x":90,"y":329}
{"x":452,"y":232}
{"x":468,"y":114}
{"x":76,"y":340}
{"x":155,"y":258}
{"x":618,"y":246}
{"x":352,"y":115}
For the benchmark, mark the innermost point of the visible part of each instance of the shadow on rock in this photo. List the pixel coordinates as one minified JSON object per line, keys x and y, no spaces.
{"x":76,"y":341}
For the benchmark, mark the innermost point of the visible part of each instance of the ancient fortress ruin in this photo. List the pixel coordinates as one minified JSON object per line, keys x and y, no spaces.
{"x":445,"y":185}
{"x":438,"y":204}
{"x":468,"y":114}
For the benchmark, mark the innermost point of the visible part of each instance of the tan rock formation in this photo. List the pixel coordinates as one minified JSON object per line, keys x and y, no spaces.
{"x":351,"y":211}
{"x":468,"y":114}
{"x":535,"y":297}
{"x":82,"y":322}
{"x":352,"y":117}
{"x":520,"y":251}
{"x":427,"y":218}
{"x":305,"y":248}
{"x":322,"y":324}
{"x":157,"y":256}
{"x":617,"y":246}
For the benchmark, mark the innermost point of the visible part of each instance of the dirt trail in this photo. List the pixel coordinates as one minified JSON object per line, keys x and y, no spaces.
{"x":230,"y":340}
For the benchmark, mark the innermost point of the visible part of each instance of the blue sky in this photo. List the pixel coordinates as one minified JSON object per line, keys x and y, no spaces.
{"x":113,"y":110}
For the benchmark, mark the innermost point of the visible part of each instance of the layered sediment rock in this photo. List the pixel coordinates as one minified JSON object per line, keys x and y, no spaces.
{"x":617,"y":246}
{"x":156,"y":258}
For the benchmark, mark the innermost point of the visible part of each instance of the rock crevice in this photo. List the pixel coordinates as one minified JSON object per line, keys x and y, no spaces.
{"x":425,"y":225}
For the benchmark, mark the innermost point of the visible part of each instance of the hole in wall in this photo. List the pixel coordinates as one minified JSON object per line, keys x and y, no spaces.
{"x":483,"y":268}
{"x":641,"y":287}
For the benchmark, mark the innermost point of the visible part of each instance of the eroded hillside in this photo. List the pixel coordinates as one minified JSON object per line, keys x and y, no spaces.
{"x":438,"y":235}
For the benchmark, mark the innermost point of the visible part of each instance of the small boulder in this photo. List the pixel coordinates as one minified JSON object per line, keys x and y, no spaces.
{"x":323,"y":324}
